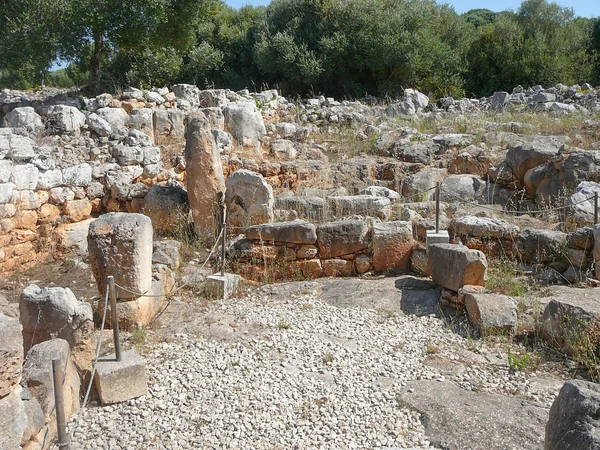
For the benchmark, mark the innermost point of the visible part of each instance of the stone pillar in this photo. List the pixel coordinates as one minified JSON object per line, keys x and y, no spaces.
{"x":120,"y":244}
{"x":205,"y":181}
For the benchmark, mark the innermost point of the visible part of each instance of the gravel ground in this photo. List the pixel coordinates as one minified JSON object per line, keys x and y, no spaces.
{"x":319,"y":376}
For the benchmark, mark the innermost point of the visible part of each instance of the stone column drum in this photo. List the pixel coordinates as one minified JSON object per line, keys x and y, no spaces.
{"x":120,"y":244}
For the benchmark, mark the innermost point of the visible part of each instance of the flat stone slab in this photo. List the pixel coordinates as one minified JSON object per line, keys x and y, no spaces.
{"x":119,"y":381}
{"x":221,"y":287}
{"x":459,"y":419}
{"x":295,"y":232}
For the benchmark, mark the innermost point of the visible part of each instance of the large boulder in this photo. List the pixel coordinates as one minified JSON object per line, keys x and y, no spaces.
{"x":464,"y":187}
{"x":115,"y":117}
{"x":568,"y":315}
{"x":295,"y":232}
{"x":25,"y":118}
{"x":454,"y":266}
{"x":37,"y":376}
{"x":342,"y":238}
{"x":483,"y":227}
{"x":392,"y":246}
{"x":167,"y":207}
{"x":99,"y":125}
{"x":581,"y":204}
{"x":245,"y":123}
{"x":54,"y":312}
{"x":362,"y":205}
{"x":542,"y":247}
{"x":187,"y":92}
{"x":205,"y":181}
{"x":249,"y":199}
{"x":13,"y":420}
{"x":120,"y":244}
{"x":62,"y":119}
{"x":491,"y":313}
{"x":574,"y":422}
{"x":11,"y":354}
{"x":525,"y":157}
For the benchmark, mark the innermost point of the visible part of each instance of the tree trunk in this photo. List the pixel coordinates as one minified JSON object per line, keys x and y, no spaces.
{"x":96,"y":61}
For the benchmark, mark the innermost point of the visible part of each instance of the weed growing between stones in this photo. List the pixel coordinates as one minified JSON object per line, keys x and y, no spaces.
{"x":518,"y":363}
{"x":586,"y":350}
{"x":503,"y":279}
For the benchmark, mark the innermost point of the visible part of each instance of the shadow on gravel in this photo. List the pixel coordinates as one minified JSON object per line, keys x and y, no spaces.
{"x":421,"y":297}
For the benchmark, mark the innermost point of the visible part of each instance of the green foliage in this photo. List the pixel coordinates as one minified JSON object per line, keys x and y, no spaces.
{"x":502,"y":279}
{"x":518,"y":363}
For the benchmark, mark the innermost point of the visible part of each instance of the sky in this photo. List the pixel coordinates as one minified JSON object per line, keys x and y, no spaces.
{"x":584,"y":8}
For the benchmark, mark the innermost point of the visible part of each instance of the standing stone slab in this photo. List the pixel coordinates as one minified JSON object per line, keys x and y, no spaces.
{"x":205,"y":181}
{"x":574,"y":423}
{"x":294,"y":232}
{"x":13,"y":420}
{"x":54,"y":312}
{"x":11,"y":354}
{"x":342,"y":238}
{"x":245,"y":123}
{"x":249,"y":199}
{"x":120,"y":244}
{"x":392,"y":246}
{"x":491,"y":313}
{"x":453,"y":266}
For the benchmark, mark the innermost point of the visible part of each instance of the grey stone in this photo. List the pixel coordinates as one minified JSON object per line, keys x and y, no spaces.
{"x":120,"y":244}
{"x":309,"y":208}
{"x":342,"y":238}
{"x":542,"y":246}
{"x":499,"y":99}
{"x":450,"y":414}
{"x":25,"y":176}
{"x":463,"y":187}
{"x":13,"y":420}
{"x":99,"y":125}
{"x":5,"y":170}
{"x":6,"y":192}
{"x":295,"y":232}
{"x":249,"y":199}
{"x":491,"y":313}
{"x":581,"y":238}
{"x":581,"y":202}
{"x":25,"y":118}
{"x":483,"y":227}
{"x":166,"y":252}
{"x":454,"y":266}
{"x":574,"y":423}
{"x":62,"y":119}
{"x":380,"y":191}
{"x":50,"y":179}
{"x":35,"y":416}
{"x":363,"y":205}
{"x":167,"y":207}
{"x":79,"y":175}
{"x":415,"y":152}
{"x":11,"y":353}
{"x":567,"y":315}
{"x":126,"y":155}
{"x":52,"y":312}
{"x":283,"y":150}
{"x":187,"y":92}
{"x":245,"y":123}
{"x":114,"y":116}
{"x":525,"y":157}
{"x":119,"y":381}
{"x":221,"y":286}
{"x":37,"y":376}
{"x":141,"y":120}
{"x":223,"y":140}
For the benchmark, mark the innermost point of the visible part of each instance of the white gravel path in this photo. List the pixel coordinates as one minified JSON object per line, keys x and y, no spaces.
{"x":320,"y":377}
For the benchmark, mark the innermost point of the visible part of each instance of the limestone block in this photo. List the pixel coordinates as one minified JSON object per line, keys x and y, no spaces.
{"x":25,"y":176}
{"x":167,"y":207}
{"x":35,"y":416}
{"x":453,"y":266}
{"x":167,"y":252}
{"x":120,"y":244}
{"x":99,"y":125}
{"x":13,"y":420}
{"x":342,"y":238}
{"x":483,"y":227}
{"x":114,"y":116}
{"x":221,"y":287}
{"x":54,"y":312}
{"x":362,"y":263}
{"x":62,"y":119}
{"x":22,"y":148}
{"x":37,"y":376}
{"x":24,"y":117}
{"x":309,"y":268}
{"x":338,"y":267}
{"x":50,"y":179}
{"x":392,"y":246}
{"x":11,"y":354}
{"x":79,"y":175}
{"x":380,"y":191}
{"x":245,"y":123}
{"x":77,"y":210}
{"x":205,"y":181}
{"x":307,"y":252}
{"x":492,"y":313}
{"x":249,"y":199}
{"x":119,"y":381}
{"x":295,"y":232}
{"x":6,"y":168}
{"x":363,"y":205}
{"x":573,"y":423}
{"x":73,"y":236}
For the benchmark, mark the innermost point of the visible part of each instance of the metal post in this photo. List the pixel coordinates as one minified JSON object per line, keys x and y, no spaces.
{"x":61,"y":426}
{"x":114,"y":316}
{"x":224,"y":240}
{"x":595,"y":208}
{"x":437,"y":207}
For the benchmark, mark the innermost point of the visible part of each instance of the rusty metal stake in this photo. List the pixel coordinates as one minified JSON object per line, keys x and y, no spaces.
{"x":595,"y":208}
{"x":437,"y":208}
{"x":114,"y":316}
{"x":61,"y":426}
{"x":224,"y":240}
